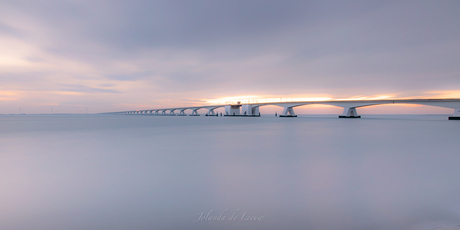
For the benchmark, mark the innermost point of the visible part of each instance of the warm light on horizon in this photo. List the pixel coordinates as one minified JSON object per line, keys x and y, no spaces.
{"x":232,"y":99}
{"x":376,"y":97}
{"x":272,"y":99}
{"x":245,"y":99}
{"x":262,"y":99}
{"x":41,"y":101}
{"x":445,"y":94}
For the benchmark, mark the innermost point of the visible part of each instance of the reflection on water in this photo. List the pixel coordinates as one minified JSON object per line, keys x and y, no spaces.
{"x":139,"y":172}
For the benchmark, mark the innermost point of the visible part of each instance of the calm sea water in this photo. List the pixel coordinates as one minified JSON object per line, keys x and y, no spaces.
{"x":142,"y":172}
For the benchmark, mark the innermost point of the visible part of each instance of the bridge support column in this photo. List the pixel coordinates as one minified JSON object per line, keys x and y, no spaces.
{"x":232,"y":110}
{"x":194,"y":113}
{"x":182,"y":113}
{"x":251,"y":111}
{"x":163,"y":113}
{"x":288,"y":112}
{"x":211,"y":113}
{"x":456,"y":115}
{"x":349,"y":113}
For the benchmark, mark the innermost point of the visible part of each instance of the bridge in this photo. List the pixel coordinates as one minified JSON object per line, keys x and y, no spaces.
{"x":252,"y":109}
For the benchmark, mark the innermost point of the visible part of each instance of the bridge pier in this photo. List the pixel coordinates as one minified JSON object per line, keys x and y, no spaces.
{"x":182,"y":113}
{"x":349,"y":113}
{"x":211,"y":113}
{"x":288,"y":112}
{"x":456,"y":115}
{"x":232,"y":110}
{"x":251,"y":111}
{"x":195,"y":113}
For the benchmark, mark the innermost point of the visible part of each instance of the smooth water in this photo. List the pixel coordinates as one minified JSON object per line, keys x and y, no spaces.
{"x":143,"y":172}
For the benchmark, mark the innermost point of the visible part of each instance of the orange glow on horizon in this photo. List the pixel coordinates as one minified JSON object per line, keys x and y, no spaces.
{"x":244,"y":99}
{"x":270,"y":99}
{"x":7,"y":99}
{"x":445,"y":94}
{"x":362,"y":98}
{"x":8,"y":96}
{"x":264,"y":99}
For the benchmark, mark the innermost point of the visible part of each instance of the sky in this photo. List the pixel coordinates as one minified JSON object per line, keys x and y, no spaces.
{"x":70,"y":56}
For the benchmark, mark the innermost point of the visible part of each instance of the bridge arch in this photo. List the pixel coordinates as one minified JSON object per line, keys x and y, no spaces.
{"x":351,"y":106}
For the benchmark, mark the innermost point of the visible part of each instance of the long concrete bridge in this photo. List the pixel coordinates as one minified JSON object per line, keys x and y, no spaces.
{"x":252,"y":109}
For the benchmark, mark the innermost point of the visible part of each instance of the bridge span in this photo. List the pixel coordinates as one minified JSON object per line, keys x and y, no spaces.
{"x":252,"y":109}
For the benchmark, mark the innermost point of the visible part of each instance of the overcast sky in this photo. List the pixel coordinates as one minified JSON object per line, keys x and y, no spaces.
{"x":119,"y":55}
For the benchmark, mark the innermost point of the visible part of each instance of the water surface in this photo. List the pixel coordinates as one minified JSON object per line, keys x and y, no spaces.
{"x":311,"y":172}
